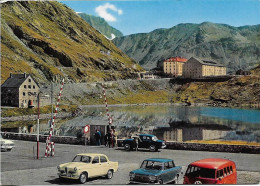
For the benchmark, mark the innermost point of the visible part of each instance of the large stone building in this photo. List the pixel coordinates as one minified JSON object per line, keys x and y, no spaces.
{"x":19,"y":90}
{"x":197,"y":68}
{"x":194,"y":133}
{"x":173,"y":66}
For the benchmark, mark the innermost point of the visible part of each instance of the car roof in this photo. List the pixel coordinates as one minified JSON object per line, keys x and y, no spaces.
{"x":212,"y":163}
{"x":147,"y":135}
{"x":158,"y":160}
{"x":91,"y":154}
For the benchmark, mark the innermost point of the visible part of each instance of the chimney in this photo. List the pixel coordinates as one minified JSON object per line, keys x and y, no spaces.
{"x":11,"y":75}
{"x":24,"y":75}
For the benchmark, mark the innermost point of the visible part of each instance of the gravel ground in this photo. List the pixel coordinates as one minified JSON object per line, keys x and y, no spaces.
{"x":19,"y":167}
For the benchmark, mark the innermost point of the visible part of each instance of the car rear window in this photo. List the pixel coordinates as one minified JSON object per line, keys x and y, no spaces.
{"x":103,"y":159}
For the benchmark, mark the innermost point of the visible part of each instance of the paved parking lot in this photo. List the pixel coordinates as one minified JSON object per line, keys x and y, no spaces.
{"x":19,"y":167}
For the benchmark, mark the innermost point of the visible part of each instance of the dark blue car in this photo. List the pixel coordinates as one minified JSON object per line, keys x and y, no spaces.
{"x":147,"y":141}
{"x":156,"y":171}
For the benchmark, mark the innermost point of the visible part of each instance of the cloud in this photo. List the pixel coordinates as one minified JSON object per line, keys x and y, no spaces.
{"x":102,"y":11}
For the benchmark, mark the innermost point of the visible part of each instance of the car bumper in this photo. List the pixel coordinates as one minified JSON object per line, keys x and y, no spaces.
{"x":163,"y":147}
{"x":143,"y":183}
{"x":6,"y":147}
{"x":68,"y":176}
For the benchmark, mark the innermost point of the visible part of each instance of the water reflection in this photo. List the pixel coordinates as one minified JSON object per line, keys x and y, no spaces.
{"x":204,"y":122}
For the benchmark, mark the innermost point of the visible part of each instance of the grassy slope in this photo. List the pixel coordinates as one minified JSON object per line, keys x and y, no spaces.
{"x":59,"y":28}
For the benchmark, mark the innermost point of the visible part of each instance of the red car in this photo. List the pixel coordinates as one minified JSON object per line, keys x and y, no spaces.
{"x":211,"y":171}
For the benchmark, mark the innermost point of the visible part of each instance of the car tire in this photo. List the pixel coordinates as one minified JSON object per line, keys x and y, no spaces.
{"x":160,"y":182}
{"x":127,"y":147}
{"x":109,"y":174}
{"x":197,"y":182}
{"x":62,"y":179}
{"x":83,"y":177}
{"x":152,"y":148}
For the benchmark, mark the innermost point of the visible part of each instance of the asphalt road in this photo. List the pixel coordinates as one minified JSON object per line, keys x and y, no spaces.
{"x":20,"y":167}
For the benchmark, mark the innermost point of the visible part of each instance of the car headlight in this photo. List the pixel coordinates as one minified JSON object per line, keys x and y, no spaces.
{"x":58,"y":167}
{"x":132,"y":175}
{"x":75,"y":169}
{"x":152,"y":178}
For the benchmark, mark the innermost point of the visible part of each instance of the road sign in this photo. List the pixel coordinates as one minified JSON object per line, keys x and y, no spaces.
{"x":86,"y":129}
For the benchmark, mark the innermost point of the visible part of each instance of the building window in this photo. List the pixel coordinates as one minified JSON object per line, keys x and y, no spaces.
{"x":29,"y":86}
{"x":29,"y":80}
{"x":23,"y":93}
{"x":24,"y":86}
{"x":33,"y":86}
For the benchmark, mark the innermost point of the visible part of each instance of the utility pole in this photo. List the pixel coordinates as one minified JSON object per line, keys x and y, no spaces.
{"x":38,"y":125}
{"x":51,"y":102}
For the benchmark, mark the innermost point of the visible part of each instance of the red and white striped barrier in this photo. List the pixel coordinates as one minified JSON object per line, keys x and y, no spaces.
{"x":110,"y":120}
{"x":52,"y":124}
{"x":52,"y":148}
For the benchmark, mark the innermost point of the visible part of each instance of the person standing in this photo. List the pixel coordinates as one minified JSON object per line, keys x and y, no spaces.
{"x":109,"y":139}
{"x":97,"y":137}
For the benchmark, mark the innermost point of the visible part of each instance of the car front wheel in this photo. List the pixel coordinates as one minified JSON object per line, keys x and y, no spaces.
{"x":109,"y":174}
{"x":152,"y":148}
{"x":61,"y":179}
{"x":127,"y":147}
{"x":83,"y":177}
{"x":160,"y":182}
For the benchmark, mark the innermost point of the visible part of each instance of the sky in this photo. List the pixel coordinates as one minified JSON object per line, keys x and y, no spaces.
{"x":143,"y":16}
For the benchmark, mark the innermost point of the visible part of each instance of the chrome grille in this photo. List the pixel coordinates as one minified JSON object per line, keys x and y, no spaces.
{"x":141,"y":178}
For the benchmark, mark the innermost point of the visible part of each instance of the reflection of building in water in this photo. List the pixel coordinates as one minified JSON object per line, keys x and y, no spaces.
{"x":191,"y":132}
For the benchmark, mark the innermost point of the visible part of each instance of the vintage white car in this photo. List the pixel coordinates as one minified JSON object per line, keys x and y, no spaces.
{"x":87,"y":165}
{"x":6,"y":145}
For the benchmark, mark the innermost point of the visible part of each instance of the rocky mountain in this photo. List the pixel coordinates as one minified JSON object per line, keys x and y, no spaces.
{"x":101,"y":25}
{"x":234,"y":47}
{"x":50,"y":41}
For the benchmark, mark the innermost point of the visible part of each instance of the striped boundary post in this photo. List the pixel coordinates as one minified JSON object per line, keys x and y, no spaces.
{"x":52,"y":123}
{"x":109,"y":117}
{"x":52,"y":148}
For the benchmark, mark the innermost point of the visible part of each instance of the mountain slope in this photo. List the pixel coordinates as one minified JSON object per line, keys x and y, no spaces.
{"x":101,"y":25}
{"x":235,"y":47}
{"x":50,"y":41}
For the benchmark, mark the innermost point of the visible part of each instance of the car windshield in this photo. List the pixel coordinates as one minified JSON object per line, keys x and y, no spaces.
{"x":152,"y":165}
{"x":194,"y":171}
{"x":85,"y":159}
{"x":154,"y":138}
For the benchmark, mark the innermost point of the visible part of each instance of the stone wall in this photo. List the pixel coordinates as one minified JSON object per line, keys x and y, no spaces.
{"x":208,"y":147}
{"x":42,"y":138}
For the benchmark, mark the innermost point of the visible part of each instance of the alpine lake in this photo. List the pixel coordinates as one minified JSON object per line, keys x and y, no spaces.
{"x":172,"y":122}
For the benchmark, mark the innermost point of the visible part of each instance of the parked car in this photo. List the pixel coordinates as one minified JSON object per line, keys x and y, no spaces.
{"x":85,"y":166}
{"x":6,"y":145}
{"x":144,"y":141}
{"x":156,"y":171}
{"x":211,"y":171}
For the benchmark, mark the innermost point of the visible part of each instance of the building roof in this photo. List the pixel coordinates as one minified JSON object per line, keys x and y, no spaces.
{"x":207,"y":62}
{"x":212,"y":163}
{"x":176,"y":59}
{"x":15,"y":80}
